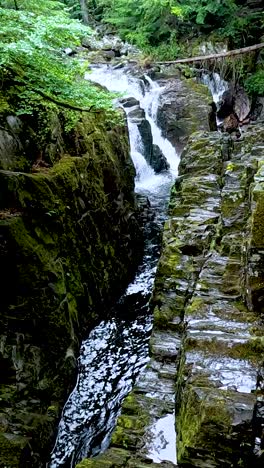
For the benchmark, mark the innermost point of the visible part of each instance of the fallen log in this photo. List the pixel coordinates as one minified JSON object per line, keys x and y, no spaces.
{"x":202,"y":58}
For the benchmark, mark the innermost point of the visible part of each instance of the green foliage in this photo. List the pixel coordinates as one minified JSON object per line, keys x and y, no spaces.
{"x":163,"y":28}
{"x":255,"y":83}
{"x":202,"y":10}
{"x":74,"y":8}
{"x":33,"y":64}
{"x":144,"y":22}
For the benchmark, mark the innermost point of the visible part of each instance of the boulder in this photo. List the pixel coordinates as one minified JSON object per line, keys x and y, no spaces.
{"x":183,"y":109}
{"x":242,"y":104}
{"x":136,"y":114}
{"x":109,"y":54}
{"x":158,"y":161}
{"x":138,"y":117}
{"x":226,"y":105}
{"x":258,"y":109}
{"x":129,"y":102}
{"x":234,"y":101}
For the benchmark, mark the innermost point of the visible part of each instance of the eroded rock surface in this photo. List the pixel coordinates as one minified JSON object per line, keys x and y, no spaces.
{"x":205,"y":279}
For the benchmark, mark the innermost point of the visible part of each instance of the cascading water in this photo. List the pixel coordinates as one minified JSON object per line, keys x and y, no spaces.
{"x":216,"y":85}
{"x":116,"y":350}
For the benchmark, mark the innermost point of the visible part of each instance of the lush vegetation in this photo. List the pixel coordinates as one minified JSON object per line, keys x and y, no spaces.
{"x":34,"y":67}
{"x":164,"y":27}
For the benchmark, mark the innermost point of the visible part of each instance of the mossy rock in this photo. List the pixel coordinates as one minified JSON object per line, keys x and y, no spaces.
{"x":67,"y":233}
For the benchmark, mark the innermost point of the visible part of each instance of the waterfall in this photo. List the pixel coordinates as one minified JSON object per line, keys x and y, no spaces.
{"x":116,"y":351}
{"x":216,"y":85}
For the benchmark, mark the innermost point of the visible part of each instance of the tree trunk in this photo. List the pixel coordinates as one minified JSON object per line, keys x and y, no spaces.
{"x":16,"y":5}
{"x":85,"y":14}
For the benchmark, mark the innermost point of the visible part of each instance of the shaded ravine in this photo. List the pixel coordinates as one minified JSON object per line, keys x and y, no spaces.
{"x":116,"y":350}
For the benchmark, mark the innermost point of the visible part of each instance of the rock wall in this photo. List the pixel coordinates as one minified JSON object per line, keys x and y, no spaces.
{"x":68,"y":237}
{"x":183,"y":109}
{"x":210,"y":269}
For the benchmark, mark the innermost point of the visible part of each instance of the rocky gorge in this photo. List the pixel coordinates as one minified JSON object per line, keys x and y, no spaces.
{"x":199,"y":401}
{"x":71,"y":240}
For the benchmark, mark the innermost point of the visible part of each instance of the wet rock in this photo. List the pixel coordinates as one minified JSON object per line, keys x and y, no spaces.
{"x":183,"y":109}
{"x":230,"y":124}
{"x":108,"y":54}
{"x":129,"y":102}
{"x":138,"y":117}
{"x":234,"y":102}
{"x":200,"y":290}
{"x":145,"y":213}
{"x":242,"y":104}
{"x":212,"y":117}
{"x":258,"y":109}
{"x":158,"y":160}
{"x":226,"y":105}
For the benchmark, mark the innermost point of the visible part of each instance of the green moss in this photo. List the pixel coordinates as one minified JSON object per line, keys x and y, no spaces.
{"x":257,"y":222}
{"x":201,"y":416}
{"x":11,"y":449}
{"x":251,"y":350}
{"x":113,"y":458}
{"x":195,"y":307}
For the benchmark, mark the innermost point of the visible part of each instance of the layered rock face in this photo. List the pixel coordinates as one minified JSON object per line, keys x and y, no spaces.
{"x":68,"y":237}
{"x":211,"y":268}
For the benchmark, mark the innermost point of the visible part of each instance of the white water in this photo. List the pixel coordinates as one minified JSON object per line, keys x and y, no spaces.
{"x":216,"y":85}
{"x":162,"y":445}
{"x":155,"y":186}
{"x":130,"y":86}
{"x":116,"y":350}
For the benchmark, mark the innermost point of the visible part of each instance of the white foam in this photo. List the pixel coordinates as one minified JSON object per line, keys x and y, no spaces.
{"x":162,"y":444}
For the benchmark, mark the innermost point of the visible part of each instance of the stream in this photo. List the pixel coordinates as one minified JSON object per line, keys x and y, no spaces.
{"x":116,"y":351}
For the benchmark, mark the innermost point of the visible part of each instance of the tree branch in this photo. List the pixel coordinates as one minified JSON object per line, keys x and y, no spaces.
{"x":62,"y":103}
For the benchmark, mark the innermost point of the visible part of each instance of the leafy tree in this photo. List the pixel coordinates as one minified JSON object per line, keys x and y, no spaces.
{"x":33,"y":65}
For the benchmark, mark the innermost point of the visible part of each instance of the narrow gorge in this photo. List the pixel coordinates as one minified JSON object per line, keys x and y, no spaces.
{"x":206,"y":366}
{"x":131,"y":237}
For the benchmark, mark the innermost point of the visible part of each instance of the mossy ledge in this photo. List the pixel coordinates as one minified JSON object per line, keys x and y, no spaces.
{"x":68,"y":236}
